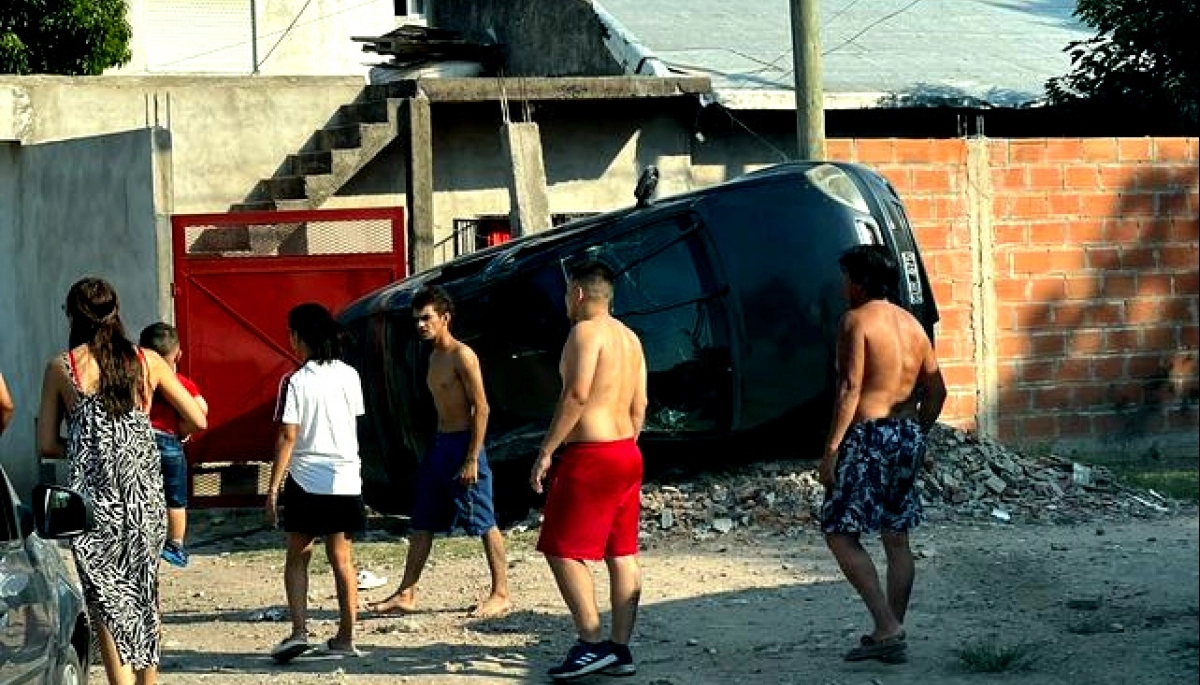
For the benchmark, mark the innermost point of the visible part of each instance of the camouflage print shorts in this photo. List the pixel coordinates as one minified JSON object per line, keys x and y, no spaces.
{"x":877,"y":468}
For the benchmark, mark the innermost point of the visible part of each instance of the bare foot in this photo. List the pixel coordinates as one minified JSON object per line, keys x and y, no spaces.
{"x":399,"y":602}
{"x":494,"y":606}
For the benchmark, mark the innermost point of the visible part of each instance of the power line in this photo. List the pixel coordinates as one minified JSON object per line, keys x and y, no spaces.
{"x":839,"y":13}
{"x":283,"y":35}
{"x":870,"y":26}
{"x":782,"y":155}
{"x":228,"y":46}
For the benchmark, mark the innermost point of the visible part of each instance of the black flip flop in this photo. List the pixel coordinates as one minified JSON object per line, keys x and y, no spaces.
{"x":290,"y":649}
{"x":891,"y":650}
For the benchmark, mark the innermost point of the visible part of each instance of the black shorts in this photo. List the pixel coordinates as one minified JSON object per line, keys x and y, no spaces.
{"x":318,"y":515}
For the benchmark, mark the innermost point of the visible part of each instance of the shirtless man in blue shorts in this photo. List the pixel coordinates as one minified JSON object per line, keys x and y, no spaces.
{"x":890,"y":392}
{"x":454,"y":482}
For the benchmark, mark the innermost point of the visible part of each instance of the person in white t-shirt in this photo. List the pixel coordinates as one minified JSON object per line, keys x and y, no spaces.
{"x":316,"y":474}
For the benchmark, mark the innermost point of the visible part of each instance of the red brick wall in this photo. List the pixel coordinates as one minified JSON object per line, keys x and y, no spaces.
{"x":1093,"y":274}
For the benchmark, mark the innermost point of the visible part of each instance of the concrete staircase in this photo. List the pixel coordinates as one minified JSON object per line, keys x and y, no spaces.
{"x":332,"y":156}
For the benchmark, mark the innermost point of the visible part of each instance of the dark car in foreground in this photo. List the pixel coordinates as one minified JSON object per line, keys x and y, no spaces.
{"x":44,"y":634}
{"x":735,"y":291}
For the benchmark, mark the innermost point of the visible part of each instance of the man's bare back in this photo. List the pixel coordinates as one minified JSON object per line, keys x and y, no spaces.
{"x":603,"y":371}
{"x":617,"y":368}
{"x":897,"y":359}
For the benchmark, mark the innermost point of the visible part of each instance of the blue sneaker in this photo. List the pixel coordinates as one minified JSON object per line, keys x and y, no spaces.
{"x":582,"y":659}
{"x":624,"y":665}
{"x":174,"y":554}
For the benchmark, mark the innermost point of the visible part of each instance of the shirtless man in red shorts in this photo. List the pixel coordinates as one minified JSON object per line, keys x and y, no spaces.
{"x":890,"y":392}
{"x":594,"y":501}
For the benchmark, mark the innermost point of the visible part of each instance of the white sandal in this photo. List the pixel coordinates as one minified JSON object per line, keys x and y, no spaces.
{"x":370,"y":581}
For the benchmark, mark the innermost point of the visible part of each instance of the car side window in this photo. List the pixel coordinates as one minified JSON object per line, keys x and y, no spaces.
{"x":668,"y":293}
{"x":657,"y":267}
{"x":8,"y":513}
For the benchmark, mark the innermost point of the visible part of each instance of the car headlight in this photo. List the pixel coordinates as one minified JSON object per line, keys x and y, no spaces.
{"x":838,"y":185}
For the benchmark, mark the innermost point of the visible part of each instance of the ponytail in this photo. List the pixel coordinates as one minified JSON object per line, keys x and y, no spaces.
{"x":94,"y":312}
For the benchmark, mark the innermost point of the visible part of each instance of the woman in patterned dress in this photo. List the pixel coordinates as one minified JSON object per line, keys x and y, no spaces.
{"x":103,"y":386}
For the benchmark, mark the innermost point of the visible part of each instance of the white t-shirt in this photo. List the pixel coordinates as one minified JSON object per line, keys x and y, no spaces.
{"x":323,"y":400}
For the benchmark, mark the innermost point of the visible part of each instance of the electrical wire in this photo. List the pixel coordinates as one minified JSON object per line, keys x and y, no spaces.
{"x":228,"y":46}
{"x":283,"y":35}
{"x":782,"y":155}
{"x":839,"y":13}
{"x":870,"y":26}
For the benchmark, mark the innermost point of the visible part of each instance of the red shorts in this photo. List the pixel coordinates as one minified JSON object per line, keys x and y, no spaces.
{"x":594,"y":501}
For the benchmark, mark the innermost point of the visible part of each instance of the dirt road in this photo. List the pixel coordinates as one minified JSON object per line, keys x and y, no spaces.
{"x":1088,"y":603}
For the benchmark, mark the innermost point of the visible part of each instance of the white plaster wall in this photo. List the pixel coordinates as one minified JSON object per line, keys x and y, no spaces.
{"x":294,"y":37}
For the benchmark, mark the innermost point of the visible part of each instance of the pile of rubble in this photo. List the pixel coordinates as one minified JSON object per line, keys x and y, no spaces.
{"x":965,"y":478}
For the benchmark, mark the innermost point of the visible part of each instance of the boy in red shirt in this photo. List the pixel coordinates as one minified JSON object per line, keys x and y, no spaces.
{"x":164,"y":339}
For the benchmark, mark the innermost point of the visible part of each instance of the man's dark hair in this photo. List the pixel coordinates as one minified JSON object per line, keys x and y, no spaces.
{"x":434,"y":295}
{"x":594,"y":276}
{"x":160,"y":337}
{"x":872,"y":268}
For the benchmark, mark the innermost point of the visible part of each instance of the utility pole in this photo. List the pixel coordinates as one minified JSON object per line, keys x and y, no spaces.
{"x":810,"y":92}
{"x":253,"y":37}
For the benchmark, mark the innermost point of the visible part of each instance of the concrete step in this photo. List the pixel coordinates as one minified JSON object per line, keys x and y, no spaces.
{"x":368,"y":112}
{"x":340,"y":162}
{"x":317,"y":187}
{"x":344,"y":137}
{"x":282,"y":188}
{"x":311,"y":163}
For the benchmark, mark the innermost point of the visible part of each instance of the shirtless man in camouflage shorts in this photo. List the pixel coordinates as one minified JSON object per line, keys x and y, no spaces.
{"x":890,"y":392}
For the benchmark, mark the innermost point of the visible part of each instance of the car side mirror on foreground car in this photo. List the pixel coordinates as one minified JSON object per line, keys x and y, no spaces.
{"x":60,"y":512}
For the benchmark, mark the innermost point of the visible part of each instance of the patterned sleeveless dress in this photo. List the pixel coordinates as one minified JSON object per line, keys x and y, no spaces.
{"x":114,"y":462}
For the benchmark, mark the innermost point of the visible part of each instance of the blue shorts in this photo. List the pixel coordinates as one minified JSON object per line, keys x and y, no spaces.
{"x":875,"y":484}
{"x":443,"y":503}
{"x":174,"y":469}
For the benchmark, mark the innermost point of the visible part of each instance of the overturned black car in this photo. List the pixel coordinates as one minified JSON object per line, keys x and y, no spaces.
{"x":735,"y":291}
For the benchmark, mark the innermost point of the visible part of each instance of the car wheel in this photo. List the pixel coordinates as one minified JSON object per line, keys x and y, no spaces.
{"x":70,"y":672}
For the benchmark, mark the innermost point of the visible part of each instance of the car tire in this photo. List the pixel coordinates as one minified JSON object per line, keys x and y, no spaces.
{"x":70,"y":671}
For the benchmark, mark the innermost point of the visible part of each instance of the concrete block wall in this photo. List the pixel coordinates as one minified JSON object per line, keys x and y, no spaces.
{"x":1066,"y":272}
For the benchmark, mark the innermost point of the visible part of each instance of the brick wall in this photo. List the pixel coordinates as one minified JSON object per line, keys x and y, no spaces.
{"x":1066,"y":271}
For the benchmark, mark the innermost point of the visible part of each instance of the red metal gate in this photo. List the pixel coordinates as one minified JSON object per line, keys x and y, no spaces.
{"x":236,"y":277}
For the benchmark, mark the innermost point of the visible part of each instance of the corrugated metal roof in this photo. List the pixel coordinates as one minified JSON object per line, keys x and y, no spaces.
{"x":876,"y":52}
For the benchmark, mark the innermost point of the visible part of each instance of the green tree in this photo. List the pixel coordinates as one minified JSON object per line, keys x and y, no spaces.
{"x":1144,"y":59}
{"x":71,"y":37}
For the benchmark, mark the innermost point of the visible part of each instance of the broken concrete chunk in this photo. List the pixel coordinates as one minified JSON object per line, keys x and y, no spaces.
{"x":666,"y":519}
{"x":995,"y":483}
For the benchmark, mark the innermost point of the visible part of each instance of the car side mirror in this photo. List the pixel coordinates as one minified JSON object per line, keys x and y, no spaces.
{"x":60,"y":512}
